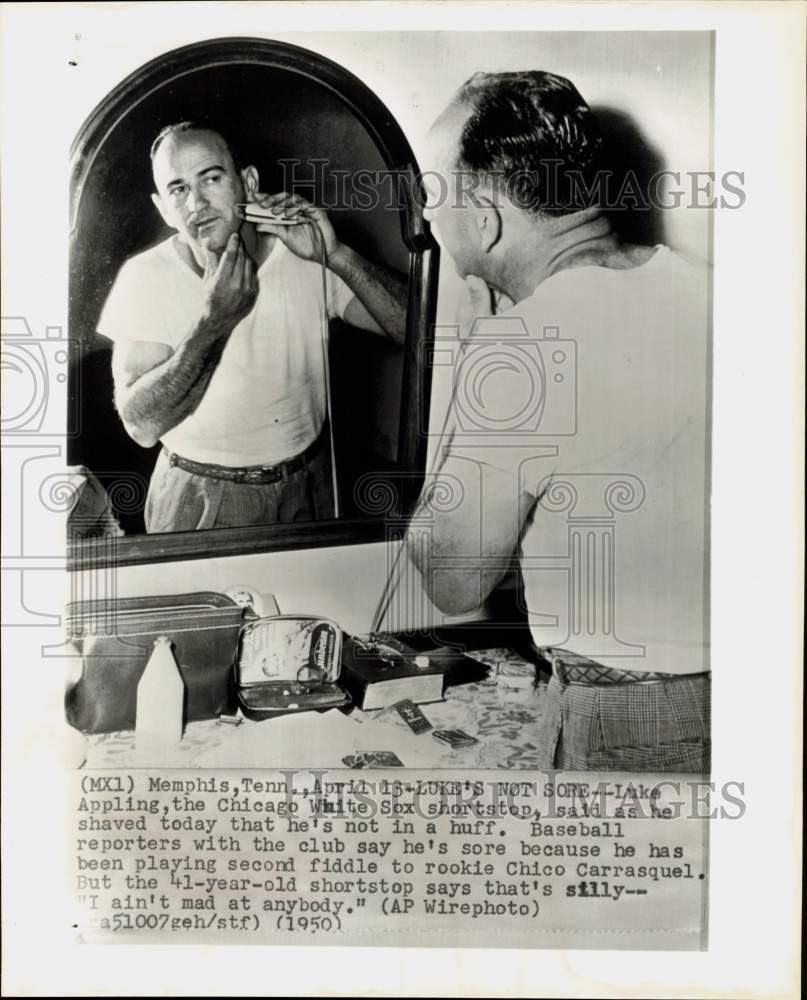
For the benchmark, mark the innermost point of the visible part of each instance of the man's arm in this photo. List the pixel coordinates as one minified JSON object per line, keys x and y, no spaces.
{"x":468,"y":522}
{"x":156,"y":387}
{"x":380,"y":292}
{"x":464,"y":550}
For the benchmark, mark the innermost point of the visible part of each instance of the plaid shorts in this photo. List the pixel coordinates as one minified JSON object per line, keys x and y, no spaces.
{"x":658,"y":725}
{"x":179,"y":500}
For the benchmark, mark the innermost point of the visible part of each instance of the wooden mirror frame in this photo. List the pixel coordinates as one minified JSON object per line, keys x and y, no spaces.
{"x":398,"y":157}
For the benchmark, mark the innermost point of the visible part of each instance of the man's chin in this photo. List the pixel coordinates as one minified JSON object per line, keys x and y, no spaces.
{"x":217,"y":246}
{"x":212,"y":239}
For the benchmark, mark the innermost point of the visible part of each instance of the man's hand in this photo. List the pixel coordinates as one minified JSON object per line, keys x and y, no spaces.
{"x":230,"y":282}
{"x":476,"y":303}
{"x":380,"y":293}
{"x":300,"y":239}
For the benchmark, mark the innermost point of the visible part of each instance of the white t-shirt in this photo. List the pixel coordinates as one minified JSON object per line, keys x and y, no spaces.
{"x":266,"y":399}
{"x":597,"y":393}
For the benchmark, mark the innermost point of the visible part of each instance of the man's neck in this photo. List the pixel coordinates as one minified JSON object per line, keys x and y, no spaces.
{"x":259,"y":245}
{"x":578,"y":240}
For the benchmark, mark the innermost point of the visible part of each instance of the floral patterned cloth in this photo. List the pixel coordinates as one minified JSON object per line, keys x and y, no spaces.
{"x":502,"y":711}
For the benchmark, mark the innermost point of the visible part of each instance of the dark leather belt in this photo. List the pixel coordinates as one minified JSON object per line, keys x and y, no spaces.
{"x":252,"y":474}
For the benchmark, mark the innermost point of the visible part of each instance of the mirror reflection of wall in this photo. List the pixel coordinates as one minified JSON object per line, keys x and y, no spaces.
{"x":273,"y":115}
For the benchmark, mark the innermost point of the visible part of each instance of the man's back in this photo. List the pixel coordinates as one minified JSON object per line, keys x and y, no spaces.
{"x":580,"y":433}
{"x":615,"y":560}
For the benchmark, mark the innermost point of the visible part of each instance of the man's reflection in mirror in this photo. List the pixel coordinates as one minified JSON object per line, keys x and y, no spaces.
{"x":220,"y":341}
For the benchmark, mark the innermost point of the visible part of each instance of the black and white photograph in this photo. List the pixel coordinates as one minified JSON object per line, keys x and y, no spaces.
{"x":534,"y":475}
{"x":373,"y":506}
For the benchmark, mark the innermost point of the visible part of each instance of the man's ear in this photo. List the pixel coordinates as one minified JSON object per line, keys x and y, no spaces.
{"x":488,"y":224}
{"x":158,"y":204}
{"x":249,"y":178}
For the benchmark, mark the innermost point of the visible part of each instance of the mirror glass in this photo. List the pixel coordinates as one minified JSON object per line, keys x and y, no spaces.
{"x":299,"y":134}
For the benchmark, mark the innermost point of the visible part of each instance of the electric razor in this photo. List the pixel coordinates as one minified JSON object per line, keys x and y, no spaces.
{"x":252,"y":212}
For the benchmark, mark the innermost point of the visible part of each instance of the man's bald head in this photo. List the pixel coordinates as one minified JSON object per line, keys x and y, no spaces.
{"x":175,"y":133}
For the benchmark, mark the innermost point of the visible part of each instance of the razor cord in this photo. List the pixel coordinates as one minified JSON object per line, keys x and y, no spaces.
{"x":394,"y":575}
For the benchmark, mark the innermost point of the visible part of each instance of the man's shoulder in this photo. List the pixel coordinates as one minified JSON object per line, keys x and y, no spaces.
{"x":681,"y":279}
{"x":153,"y":260}
{"x":142,"y":286}
{"x":283,"y":262}
{"x":658,"y":270}
{"x":677,"y":260}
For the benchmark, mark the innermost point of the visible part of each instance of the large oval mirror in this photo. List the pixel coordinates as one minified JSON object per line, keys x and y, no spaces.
{"x":307,"y":126}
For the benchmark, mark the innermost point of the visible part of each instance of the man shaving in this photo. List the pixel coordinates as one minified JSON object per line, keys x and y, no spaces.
{"x":617,"y":598}
{"x":218,"y":341}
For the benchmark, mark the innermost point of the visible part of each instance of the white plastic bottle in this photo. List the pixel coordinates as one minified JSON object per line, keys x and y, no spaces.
{"x":160,"y":698}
